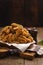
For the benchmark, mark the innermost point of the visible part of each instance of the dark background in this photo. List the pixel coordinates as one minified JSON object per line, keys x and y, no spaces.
{"x":26,"y":12}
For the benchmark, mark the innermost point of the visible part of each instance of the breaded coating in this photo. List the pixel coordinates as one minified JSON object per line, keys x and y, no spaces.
{"x":16,"y":25}
{"x":15,"y":33}
{"x":18,"y":32}
{"x":4,"y":39}
{"x":5,"y":28}
{"x":25,"y":32}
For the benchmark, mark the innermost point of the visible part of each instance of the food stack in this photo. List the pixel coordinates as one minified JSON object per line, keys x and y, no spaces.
{"x":16,"y":33}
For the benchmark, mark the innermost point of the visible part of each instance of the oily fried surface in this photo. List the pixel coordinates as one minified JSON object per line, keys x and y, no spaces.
{"x":15,"y":33}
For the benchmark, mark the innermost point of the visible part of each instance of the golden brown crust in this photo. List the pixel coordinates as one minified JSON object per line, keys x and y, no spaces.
{"x":15,"y":33}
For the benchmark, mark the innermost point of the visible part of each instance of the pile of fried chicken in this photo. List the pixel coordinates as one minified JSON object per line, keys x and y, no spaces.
{"x":15,"y":33}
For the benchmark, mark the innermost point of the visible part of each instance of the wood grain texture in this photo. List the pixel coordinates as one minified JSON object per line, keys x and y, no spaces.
{"x":28,"y":55}
{"x":20,"y":61}
{"x":26,"y":12}
{"x":12,"y":61}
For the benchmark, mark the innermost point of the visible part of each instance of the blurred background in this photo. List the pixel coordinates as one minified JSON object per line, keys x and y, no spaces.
{"x":25,"y":12}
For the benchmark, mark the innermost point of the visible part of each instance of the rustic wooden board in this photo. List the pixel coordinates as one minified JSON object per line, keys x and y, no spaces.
{"x":20,"y":61}
{"x":28,"y":55}
{"x":36,"y":61}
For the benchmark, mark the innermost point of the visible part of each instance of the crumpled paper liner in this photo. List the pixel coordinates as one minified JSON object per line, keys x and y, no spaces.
{"x":23,"y":47}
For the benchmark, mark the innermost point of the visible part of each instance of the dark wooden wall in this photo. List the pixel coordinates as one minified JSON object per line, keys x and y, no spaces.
{"x":26,"y":12}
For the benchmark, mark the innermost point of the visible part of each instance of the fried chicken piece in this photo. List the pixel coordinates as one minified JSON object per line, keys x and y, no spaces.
{"x":16,"y":25}
{"x":14,"y":30}
{"x":5,"y":28}
{"x":10,"y":37}
{"x":7,"y":31}
{"x":15,"y":33}
{"x":18,"y":32}
{"x":4,"y":39}
{"x":30,"y":37}
{"x":2,"y":36}
{"x":21,"y":40}
{"x":25,"y":39}
{"x":25,"y":32}
{"x":13,"y":38}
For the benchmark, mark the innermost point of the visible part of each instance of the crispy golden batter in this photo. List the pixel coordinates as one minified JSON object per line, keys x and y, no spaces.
{"x":15,"y":33}
{"x":16,"y":25}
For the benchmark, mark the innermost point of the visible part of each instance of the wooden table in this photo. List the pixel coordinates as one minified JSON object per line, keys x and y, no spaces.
{"x":20,"y":61}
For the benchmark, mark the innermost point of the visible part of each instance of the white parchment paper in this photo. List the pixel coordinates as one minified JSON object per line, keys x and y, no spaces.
{"x":22,"y":47}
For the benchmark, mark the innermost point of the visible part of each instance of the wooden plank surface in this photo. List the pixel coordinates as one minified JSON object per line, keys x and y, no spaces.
{"x":36,"y":61}
{"x":12,"y":61}
{"x":20,"y":61}
{"x":40,"y":34}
